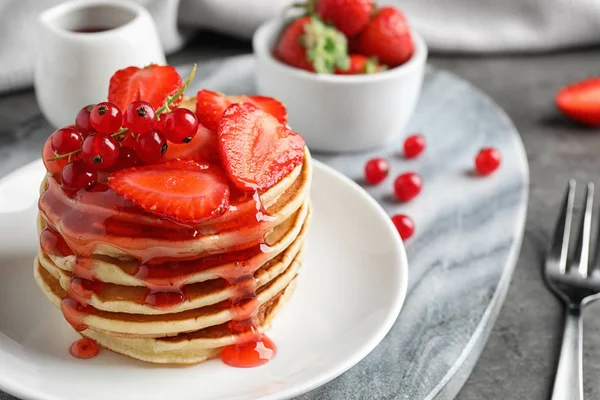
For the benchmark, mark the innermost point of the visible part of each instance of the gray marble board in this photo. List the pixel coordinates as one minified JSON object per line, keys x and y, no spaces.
{"x":467,"y":240}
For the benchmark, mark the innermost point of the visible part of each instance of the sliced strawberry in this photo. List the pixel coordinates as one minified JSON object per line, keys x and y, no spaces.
{"x":180,"y":190}
{"x":152,"y":84}
{"x":256,"y":149}
{"x":581,"y":101}
{"x":211,"y":105}
{"x":204,"y":147}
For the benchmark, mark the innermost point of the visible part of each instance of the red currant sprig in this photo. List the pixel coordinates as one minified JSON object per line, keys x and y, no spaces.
{"x":103,"y":116}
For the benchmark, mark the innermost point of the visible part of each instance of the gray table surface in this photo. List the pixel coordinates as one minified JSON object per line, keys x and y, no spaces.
{"x":519,"y":359}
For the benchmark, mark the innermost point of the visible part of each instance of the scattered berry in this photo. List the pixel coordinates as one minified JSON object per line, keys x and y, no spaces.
{"x":53,"y":167}
{"x":404,"y":224}
{"x":349,"y":16}
{"x":211,"y":105}
{"x":376,"y":170}
{"x":256,"y":149}
{"x":153,"y":84}
{"x":192,"y":193}
{"x":180,"y":126}
{"x":77,"y":175}
{"x":100,"y":151}
{"x":414,"y":145}
{"x":66,"y":140}
{"x":407,"y":186}
{"x":127,"y":158}
{"x":139,"y":117}
{"x":387,"y":37}
{"x":82,"y":121}
{"x":487,"y":161}
{"x":309,"y":44}
{"x":106,"y":118}
{"x":360,"y":64}
{"x":151,"y":146}
{"x":581,"y":101}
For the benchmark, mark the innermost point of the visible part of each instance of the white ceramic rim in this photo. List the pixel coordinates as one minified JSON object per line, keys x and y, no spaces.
{"x":267,"y":31}
{"x":75,"y":5}
{"x":21,"y":390}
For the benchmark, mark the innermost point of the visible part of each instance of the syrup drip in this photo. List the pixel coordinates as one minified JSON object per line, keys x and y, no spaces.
{"x":52,"y":243}
{"x":253,"y":348}
{"x":84,"y":348}
{"x":75,"y":313}
{"x":82,"y":290}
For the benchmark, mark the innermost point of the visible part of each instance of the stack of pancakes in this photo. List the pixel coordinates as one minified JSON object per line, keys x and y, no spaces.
{"x":170,"y":298}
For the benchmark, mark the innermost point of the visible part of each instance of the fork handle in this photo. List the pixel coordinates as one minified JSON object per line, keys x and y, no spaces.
{"x":568,"y":383}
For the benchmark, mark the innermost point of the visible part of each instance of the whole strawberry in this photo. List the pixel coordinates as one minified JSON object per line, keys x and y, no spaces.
{"x":387,"y":36}
{"x":348,"y":16}
{"x":360,"y":64}
{"x":309,"y":44}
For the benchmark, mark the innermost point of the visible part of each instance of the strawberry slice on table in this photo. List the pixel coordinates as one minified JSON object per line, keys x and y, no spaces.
{"x":204,"y":147}
{"x":152,"y":83}
{"x":181,"y":190}
{"x":256,"y":149}
{"x":211,"y":105}
{"x":581,"y":101}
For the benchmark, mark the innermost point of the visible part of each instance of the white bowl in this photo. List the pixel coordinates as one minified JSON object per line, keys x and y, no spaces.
{"x":340,"y":113}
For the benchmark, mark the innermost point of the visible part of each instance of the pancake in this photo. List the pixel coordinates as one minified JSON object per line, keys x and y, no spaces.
{"x":123,"y":272}
{"x":127,"y":299}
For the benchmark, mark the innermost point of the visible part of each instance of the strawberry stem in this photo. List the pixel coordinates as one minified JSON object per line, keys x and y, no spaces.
{"x":164,"y":108}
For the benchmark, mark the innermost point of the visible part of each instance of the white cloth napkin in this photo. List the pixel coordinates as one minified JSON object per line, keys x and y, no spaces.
{"x":481,"y":26}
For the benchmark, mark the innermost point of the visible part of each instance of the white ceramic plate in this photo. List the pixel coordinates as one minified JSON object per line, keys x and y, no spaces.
{"x":350,"y":291}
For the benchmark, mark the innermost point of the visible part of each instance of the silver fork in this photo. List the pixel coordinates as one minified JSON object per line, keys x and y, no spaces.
{"x":576,"y":282}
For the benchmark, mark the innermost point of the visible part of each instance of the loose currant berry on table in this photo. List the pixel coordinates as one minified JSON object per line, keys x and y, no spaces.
{"x":180,"y":126}
{"x":151,"y":146}
{"x":414,"y":145}
{"x":100,"y":151}
{"x":106,"y":117}
{"x":139,"y":117}
{"x":66,"y":140}
{"x":78,"y":175}
{"x":405,"y":225}
{"x":487,"y":161}
{"x":82,"y":121}
{"x":376,"y":170}
{"x":407,"y":186}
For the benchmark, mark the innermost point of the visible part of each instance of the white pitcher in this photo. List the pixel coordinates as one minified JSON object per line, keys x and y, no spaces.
{"x":75,"y":65}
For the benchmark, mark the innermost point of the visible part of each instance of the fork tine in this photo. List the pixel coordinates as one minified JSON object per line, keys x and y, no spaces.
{"x":559,"y":248}
{"x":582,"y":251}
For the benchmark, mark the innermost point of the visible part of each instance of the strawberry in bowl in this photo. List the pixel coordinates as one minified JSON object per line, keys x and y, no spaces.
{"x":348,"y":72}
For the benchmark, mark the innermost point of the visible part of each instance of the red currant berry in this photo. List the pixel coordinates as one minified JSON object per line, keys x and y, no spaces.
{"x":76,"y":176}
{"x":407,"y":186}
{"x":414,"y":145}
{"x":106,"y":117}
{"x":405,"y":225}
{"x":53,"y":167}
{"x":82,"y":121}
{"x":487,"y":161}
{"x":139,"y":117}
{"x":180,"y":126}
{"x":376,"y":170}
{"x":151,"y":147}
{"x":66,"y":140}
{"x":100,"y":151}
{"x":127,"y":158}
